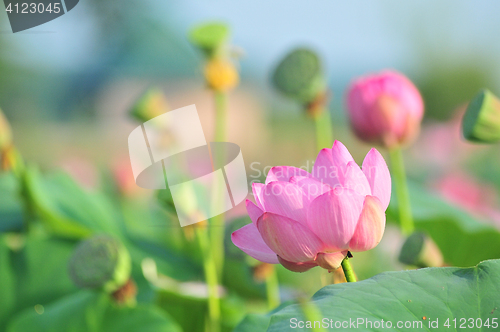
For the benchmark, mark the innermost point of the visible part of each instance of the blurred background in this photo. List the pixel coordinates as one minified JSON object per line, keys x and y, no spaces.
{"x":67,"y":87}
{"x":78,"y":74}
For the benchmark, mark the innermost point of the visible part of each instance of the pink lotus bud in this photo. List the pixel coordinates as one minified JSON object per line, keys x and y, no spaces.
{"x":303,"y":220}
{"x":386,"y":108}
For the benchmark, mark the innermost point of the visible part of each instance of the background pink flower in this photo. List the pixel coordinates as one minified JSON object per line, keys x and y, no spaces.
{"x":302,"y":220}
{"x":385,"y":108}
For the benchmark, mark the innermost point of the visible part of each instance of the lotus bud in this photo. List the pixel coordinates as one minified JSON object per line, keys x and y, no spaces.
{"x":5,"y":132}
{"x":210,"y":38}
{"x":385,"y":108}
{"x":151,"y":104}
{"x":300,"y":76}
{"x":100,"y":262}
{"x":11,"y":160}
{"x":481,"y":122}
{"x":421,"y":251}
{"x":221,"y":74}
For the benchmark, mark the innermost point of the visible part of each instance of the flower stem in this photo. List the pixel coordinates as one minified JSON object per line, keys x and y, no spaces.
{"x":324,"y":131}
{"x":272,"y":289}
{"x":217,"y":228}
{"x":210,"y":270}
{"x":348,"y":271}
{"x":403,"y":197}
{"x":220,"y":115}
{"x":312,"y":314}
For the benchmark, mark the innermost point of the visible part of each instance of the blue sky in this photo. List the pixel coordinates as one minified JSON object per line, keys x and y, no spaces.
{"x":353,"y":37}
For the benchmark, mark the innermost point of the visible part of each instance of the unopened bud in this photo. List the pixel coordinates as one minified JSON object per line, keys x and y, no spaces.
{"x":150,"y":105}
{"x":11,"y":160}
{"x":481,"y":122}
{"x":421,"y":251}
{"x":5,"y":132}
{"x":385,"y":108}
{"x":221,"y":74}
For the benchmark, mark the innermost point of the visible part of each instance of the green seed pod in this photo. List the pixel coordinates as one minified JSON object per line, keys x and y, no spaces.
{"x":151,"y":104}
{"x":481,"y":122}
{"x":419,"y":250}
{"x":100,"y":262}
{"x":210,"y":37}
{"x":300,"y":76}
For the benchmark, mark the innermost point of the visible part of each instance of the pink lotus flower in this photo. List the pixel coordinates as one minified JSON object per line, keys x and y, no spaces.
{"x":302,"y":220}
{"x":386,"y":108}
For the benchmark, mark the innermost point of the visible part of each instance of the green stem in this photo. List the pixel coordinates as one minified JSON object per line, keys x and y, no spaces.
{"x":217,"y":228}
{"x":272,"y":290}
{"x":220,"y":115}
{"x":211,"y":279}
{"x":348,"y":271}
{"x":312,"y":314}
{"x":324,"y":131}
{"x":20,"y":172}
{"x":216,"y":231}
{"x":402,"y":195}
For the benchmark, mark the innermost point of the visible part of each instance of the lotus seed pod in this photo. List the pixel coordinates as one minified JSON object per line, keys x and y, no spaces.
{"x":481,"y":122}
{"x":151,"y":104}
{"x":5,"y":132}
{"x":221,"y":75}
{"x":100,"y":262}
{"x":419,"y":250}
{"x":210,"y":38}
{"x":300,"y":76}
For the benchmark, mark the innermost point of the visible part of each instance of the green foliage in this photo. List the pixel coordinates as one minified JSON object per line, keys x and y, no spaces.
{"x":91,"y":311}
{"x":447,"y":87}
{"x":7,"y":280}
{"x":33,"y":275}
{"x":11,"y":209}
{"x":419,"y":296}
{"x":258,"y":322}
{"x":65,"y":208}
{"x":463,"y":240}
